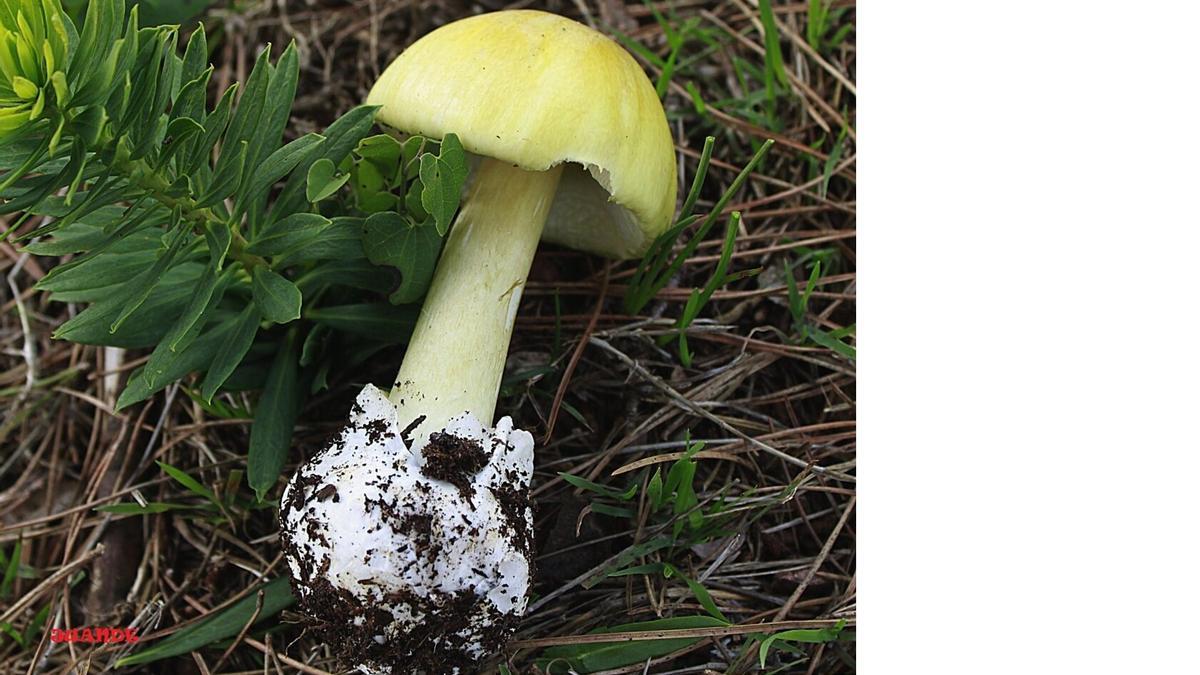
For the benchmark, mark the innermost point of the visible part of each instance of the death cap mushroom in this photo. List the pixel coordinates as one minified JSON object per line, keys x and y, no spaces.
{"x":536,"y":90}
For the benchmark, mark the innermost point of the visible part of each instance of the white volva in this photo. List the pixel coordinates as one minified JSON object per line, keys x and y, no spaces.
{"x":357,"y":534}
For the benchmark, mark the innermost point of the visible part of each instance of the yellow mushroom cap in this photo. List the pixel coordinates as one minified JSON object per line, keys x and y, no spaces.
{"x":536,"y":89}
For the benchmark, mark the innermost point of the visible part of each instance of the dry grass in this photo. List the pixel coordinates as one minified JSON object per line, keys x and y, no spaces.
{"x":777,"y":414}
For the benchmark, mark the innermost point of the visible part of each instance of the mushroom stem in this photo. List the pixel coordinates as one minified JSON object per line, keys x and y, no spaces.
{"x":456,"y":356}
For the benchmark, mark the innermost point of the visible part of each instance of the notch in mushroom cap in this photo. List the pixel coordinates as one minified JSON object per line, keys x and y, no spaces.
{"x":576,"y":149}
{"x":537,"y":90}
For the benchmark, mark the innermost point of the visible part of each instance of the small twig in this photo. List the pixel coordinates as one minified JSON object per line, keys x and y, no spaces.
{"x":702,"y":412}
{"x":258,"y":603}
{"x":578,"y":354}
{"x":302,"y":667}
{"x":812,"y":571}
{"x":639,"y":636}
{"x":62,"y":574}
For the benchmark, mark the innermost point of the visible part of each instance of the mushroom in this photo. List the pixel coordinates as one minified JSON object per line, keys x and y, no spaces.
{"x":410,"y":537}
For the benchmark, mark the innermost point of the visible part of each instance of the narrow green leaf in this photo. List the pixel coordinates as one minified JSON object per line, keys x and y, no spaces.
{"x":585,"y":484}
{"x":277,"y":596}
{"x":231,"y":351}
{"x":141,"y":286}
{"x":378,"y":321}
{"x":274,"y":419}
{"x":226,"y":180}
{"x":284,"y":235}
{"x":341,"y":240}
{"x":282,"y":161}
{"x":214,"y":125}
{"x":178,"y":364}
{"x":812,"y":635}
{"x":146,"y":326}
{"x":184,"y":479}
{"x":245,"y":122}
{"x":10,"y":570}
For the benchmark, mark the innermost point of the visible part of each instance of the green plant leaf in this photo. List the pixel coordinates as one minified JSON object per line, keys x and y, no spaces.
{"x":283,"y":235}
{"x":196,"y":357}
{"x":379,"y":321}
{"x":341,"y":240}
{"x":392,"y":240}
{"x":277,"y":298}
{"x":274,"y":419}
{"x":324,"y":180}
{"x":227,"y":175}
{"x":813,"y":635}
{"x":585,"y":484}
{"x":277,"y":596}
{"x":279,"y":163}
{"x":146,"y":326}
{"x":184,"y":331}
{"x":187,"y":481}
{"x":231,"y":351}
{"x":442,"y":180}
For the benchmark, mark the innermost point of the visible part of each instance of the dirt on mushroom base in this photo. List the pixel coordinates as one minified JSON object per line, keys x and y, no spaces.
{"x":368,"y":624}
{"x":453,"y":459}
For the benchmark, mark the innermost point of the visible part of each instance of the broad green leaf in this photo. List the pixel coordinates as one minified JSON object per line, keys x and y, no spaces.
{"x":274,"y":419}
{"x":392,"y":240}
{"x":340,"y":139}
{"x":381,"y":150}
{"x":324,"y":180}
{"x":277,"y":596}
{"x":277,"y":298}
{"x":442,"y":179}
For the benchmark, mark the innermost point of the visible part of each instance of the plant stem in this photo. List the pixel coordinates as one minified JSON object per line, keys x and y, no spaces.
{"x":455,"y":359}
{"x":142,"y":175}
